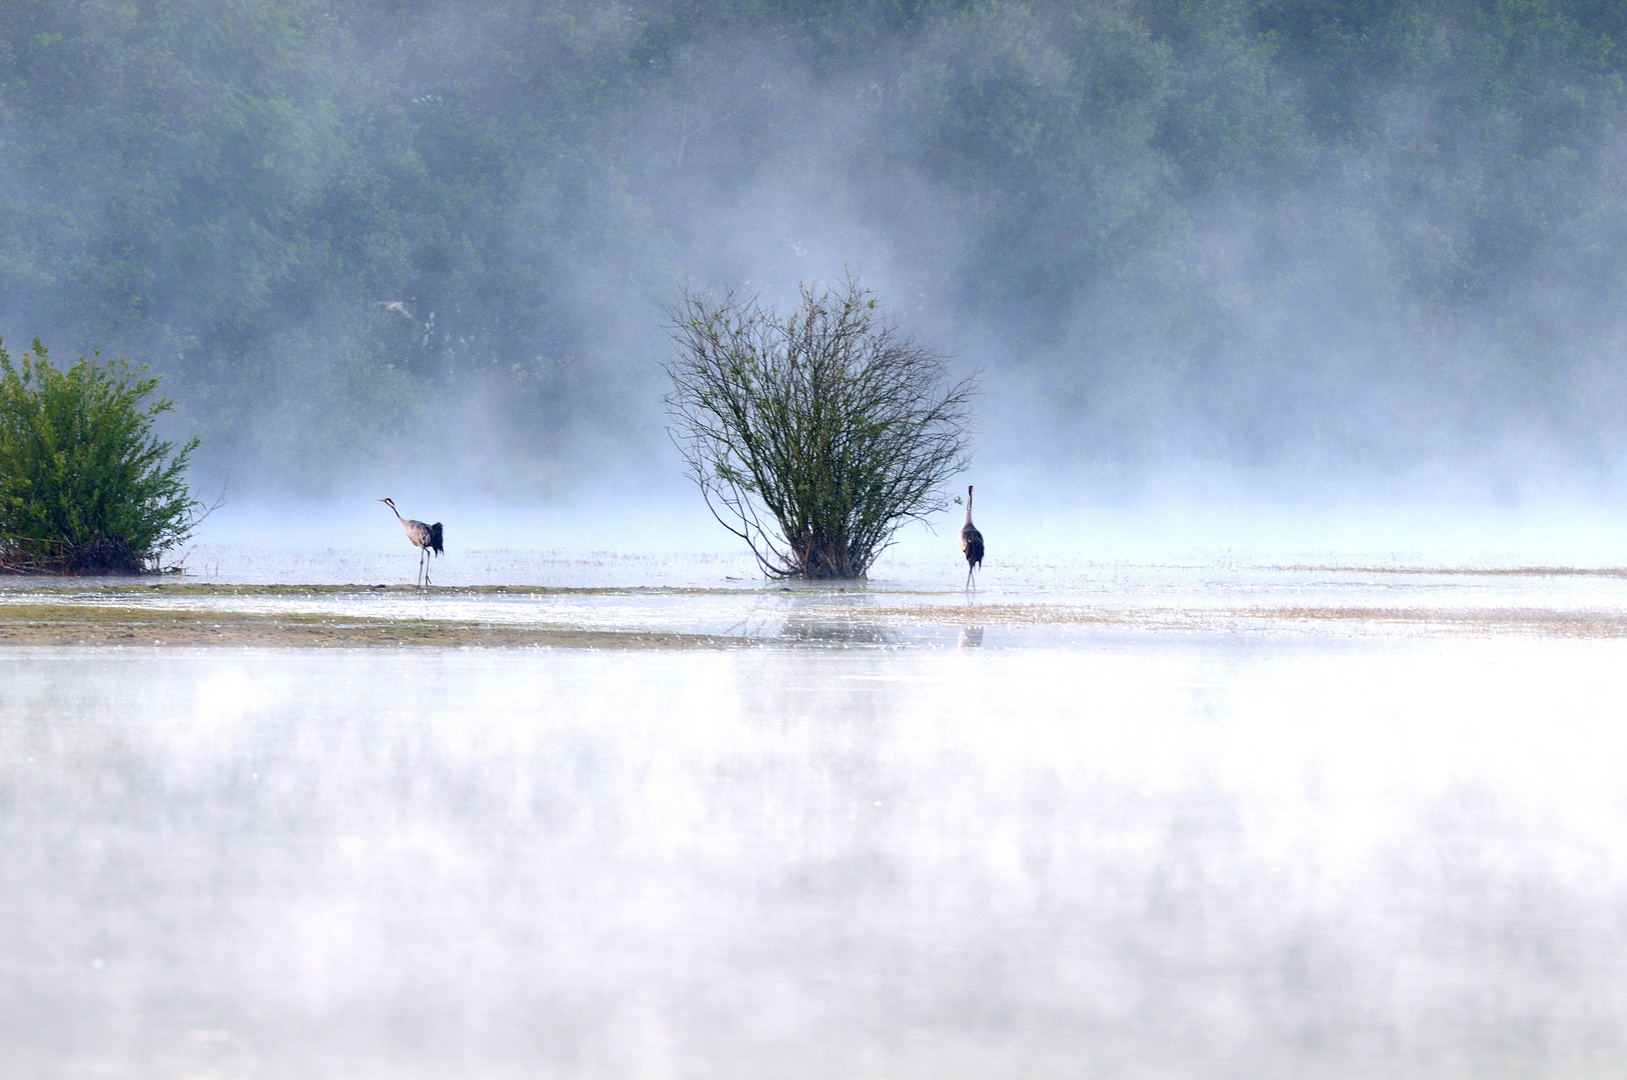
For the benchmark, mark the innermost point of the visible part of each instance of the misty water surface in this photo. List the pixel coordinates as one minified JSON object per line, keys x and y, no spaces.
{"x":1205,"y":856}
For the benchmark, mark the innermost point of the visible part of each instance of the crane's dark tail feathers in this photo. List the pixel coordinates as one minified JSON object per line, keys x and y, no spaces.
{"x":435,"y":539}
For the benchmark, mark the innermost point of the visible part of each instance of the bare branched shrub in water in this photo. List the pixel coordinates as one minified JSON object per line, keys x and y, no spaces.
{"x":85,"y":486}
{"x":813,"y":437}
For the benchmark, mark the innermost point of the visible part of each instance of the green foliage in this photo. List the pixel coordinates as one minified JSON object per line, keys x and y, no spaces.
{"x":241,"y":162}
{"x":815,"y":436}
{"x":84,"y":483}
{"x":205,"y":181}
{"x":1056,"y":110}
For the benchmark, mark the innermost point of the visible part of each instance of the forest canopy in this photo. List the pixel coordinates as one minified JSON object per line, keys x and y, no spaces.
{"x":1246,"y":229}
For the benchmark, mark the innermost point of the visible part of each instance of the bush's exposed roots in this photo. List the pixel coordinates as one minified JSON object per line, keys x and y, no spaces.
{"x":98,"y":556}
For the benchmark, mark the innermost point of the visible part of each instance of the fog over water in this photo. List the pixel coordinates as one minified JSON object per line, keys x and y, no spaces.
{"x":1195,"y":857}
{"x":1289,"y":251}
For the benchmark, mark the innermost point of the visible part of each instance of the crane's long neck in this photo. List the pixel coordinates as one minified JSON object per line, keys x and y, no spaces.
{"x":394,"y":511}
{"x":968,"y":520}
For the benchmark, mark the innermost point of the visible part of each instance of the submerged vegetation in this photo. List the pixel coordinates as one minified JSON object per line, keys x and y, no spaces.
{"x":814,"y":436}
{"x":85,"y":485}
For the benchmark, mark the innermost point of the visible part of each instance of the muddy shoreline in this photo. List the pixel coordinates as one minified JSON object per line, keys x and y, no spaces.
{"x":66,"y":623}
{"x":122,"y":615}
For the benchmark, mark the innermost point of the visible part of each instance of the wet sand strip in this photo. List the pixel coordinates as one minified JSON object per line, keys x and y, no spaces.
{"x":1328,"y":619}
{"x":101,"y":588}
{"x":1462,"y":571}
{"x":76,"y":624}
{"x":1538,"y":622}
{"x":61,"y":622}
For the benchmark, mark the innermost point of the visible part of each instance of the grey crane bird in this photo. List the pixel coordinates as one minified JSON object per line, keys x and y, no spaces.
{"x":426,"y":538}
{"x":971,"y":541}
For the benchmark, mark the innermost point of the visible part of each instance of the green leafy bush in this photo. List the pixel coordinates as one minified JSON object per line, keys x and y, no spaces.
{"x":85,"y":486}
{"x":813,"y":436}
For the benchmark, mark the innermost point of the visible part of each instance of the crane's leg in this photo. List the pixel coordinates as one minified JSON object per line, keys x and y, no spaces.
{"x":426,"y":568}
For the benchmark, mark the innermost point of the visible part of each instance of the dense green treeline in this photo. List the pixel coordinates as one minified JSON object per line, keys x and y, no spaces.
{"x":319,"y":220}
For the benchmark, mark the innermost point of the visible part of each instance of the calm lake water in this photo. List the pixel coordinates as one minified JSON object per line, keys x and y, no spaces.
{"x":1142,"y":854}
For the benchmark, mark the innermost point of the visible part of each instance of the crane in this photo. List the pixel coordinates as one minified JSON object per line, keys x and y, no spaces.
{"x":971,"y":541}
{"x":425,"y":538}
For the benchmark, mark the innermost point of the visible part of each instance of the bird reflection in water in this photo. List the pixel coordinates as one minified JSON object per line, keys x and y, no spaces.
{"x":971,"y":637}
